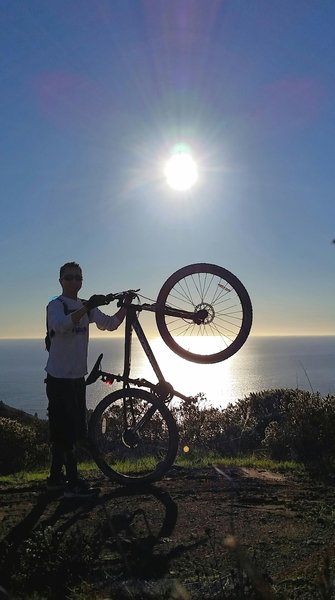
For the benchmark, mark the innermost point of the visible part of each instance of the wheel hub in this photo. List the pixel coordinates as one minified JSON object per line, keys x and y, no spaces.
{"x":204,"y":313}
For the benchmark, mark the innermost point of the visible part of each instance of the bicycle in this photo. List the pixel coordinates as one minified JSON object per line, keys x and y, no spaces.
{"x":204,"y":314}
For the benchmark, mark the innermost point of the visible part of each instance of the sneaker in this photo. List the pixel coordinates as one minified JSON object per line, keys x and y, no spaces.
{"x":55,"y":484}
{"x":79,"y":489}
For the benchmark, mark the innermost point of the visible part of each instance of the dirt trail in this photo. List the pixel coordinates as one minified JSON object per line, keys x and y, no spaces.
{"x":202,"y":528}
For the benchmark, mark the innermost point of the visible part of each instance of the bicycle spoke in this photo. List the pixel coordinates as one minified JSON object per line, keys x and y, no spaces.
{"x":185,"y":293}
{"x":182,"y":328}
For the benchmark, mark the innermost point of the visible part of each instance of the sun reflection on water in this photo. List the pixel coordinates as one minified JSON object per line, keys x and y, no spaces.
{"x":213,"y":380}
{"x":190,"y":378}
{"x":197,"y":344}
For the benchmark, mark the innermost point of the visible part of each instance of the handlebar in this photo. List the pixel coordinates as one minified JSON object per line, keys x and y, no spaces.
{"x":121,"y":295}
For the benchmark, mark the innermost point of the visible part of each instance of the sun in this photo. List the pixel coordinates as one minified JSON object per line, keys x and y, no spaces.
{"x":181,"y":171}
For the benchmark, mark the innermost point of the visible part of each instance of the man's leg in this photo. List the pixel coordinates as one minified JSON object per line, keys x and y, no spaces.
{"x":77,"y":427}
{"x":80,"y":409}
{"x":57,"y":461}
{"x":61,"y":397}
{"x":77,"y":487}
{"x":70,"y":461}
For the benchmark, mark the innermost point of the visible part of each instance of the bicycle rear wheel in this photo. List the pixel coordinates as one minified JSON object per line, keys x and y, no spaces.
{"x":134,"y":437}
{"x":225,"y":308}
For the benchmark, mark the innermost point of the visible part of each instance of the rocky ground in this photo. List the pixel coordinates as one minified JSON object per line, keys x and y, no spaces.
{"x":199,"y":533}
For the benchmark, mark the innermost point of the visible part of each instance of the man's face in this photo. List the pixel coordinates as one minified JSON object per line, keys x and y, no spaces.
{"x":71,"y":281}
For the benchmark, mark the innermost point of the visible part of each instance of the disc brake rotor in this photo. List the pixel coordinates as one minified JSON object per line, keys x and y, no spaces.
{"x":204,"y":307}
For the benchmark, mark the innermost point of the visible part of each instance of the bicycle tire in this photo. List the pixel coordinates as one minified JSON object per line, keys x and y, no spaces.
{"x":156,"y":446}
{"x":228,"y":305}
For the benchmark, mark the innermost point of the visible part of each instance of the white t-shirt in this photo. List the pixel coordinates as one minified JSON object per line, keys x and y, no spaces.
{"x":69,"y":342}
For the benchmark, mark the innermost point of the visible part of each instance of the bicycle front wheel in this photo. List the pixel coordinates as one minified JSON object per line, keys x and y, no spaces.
{"x":219,"y":298}
{"x":134,"y":437}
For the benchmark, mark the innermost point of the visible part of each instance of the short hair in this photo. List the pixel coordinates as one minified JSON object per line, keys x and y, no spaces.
{"x":68,"y":265}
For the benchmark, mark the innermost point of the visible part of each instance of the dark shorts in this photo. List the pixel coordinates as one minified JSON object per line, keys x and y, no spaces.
{"x":67,"y":409}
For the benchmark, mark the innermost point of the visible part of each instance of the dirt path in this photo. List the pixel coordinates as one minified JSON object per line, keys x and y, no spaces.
{"x":204,"y":533}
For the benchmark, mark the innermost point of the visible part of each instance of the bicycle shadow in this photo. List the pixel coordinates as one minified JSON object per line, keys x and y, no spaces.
{"x":130,"y":528}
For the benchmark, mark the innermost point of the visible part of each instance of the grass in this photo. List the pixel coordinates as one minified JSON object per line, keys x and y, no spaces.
{"x":194,"y":460}
{"x":38,"y":474}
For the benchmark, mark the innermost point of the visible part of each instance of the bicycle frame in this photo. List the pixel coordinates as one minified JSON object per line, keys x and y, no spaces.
{"x":132,"y":323}
{"x":162,"y":388}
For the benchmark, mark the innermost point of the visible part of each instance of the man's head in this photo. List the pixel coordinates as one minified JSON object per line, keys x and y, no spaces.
{"x":71,"y":278}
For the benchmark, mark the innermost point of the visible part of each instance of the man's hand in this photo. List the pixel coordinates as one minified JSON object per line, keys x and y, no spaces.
{"x":96,"y":300}
{"x":129,"y":297}
{"x":126,"y":299}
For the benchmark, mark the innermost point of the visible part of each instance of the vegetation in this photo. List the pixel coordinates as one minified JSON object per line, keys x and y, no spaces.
{"x":281,"y":424}
{"x":22,"y":446}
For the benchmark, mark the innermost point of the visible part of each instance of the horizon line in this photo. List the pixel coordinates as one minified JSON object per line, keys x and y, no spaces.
{"x":106,"y":337}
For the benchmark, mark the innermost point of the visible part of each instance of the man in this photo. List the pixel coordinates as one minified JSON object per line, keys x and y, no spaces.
{"x":68,"y":320}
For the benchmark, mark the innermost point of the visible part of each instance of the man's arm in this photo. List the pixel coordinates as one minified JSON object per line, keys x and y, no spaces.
{"x":78,"y":314}
{"x":57,"y":318}
{"x":94,"y":301}
{"x":108,"y":322}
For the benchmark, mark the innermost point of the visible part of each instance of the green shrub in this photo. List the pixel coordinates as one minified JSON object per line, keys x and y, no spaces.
{"x":21,"y":446}
{"x":15,"y":441}
{"x":306,"y":433}
{"x":198,"y":426}
{"x":283,"y":424}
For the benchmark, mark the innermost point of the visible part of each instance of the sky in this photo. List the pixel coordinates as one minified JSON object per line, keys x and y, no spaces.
{"x":94,"y":96}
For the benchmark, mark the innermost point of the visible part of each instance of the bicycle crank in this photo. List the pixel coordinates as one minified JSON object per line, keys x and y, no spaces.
{"x":130,"y":438}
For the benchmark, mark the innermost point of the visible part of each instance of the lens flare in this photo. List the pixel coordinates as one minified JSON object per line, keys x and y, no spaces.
{"x":186,"y":449}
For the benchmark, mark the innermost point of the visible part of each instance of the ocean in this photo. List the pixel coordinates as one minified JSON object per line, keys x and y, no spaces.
{"x":262,"y":363}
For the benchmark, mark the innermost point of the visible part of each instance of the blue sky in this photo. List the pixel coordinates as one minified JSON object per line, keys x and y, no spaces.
{"x":94,"y":94}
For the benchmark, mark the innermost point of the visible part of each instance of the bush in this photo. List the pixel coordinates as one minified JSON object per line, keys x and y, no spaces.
{"x":306,"y":433}
{"x":198,"y":426}
{"x":15,"y":441}
{"x":237,"y":429}
{"x":21,"y":445}
{"x":284,"y":424}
